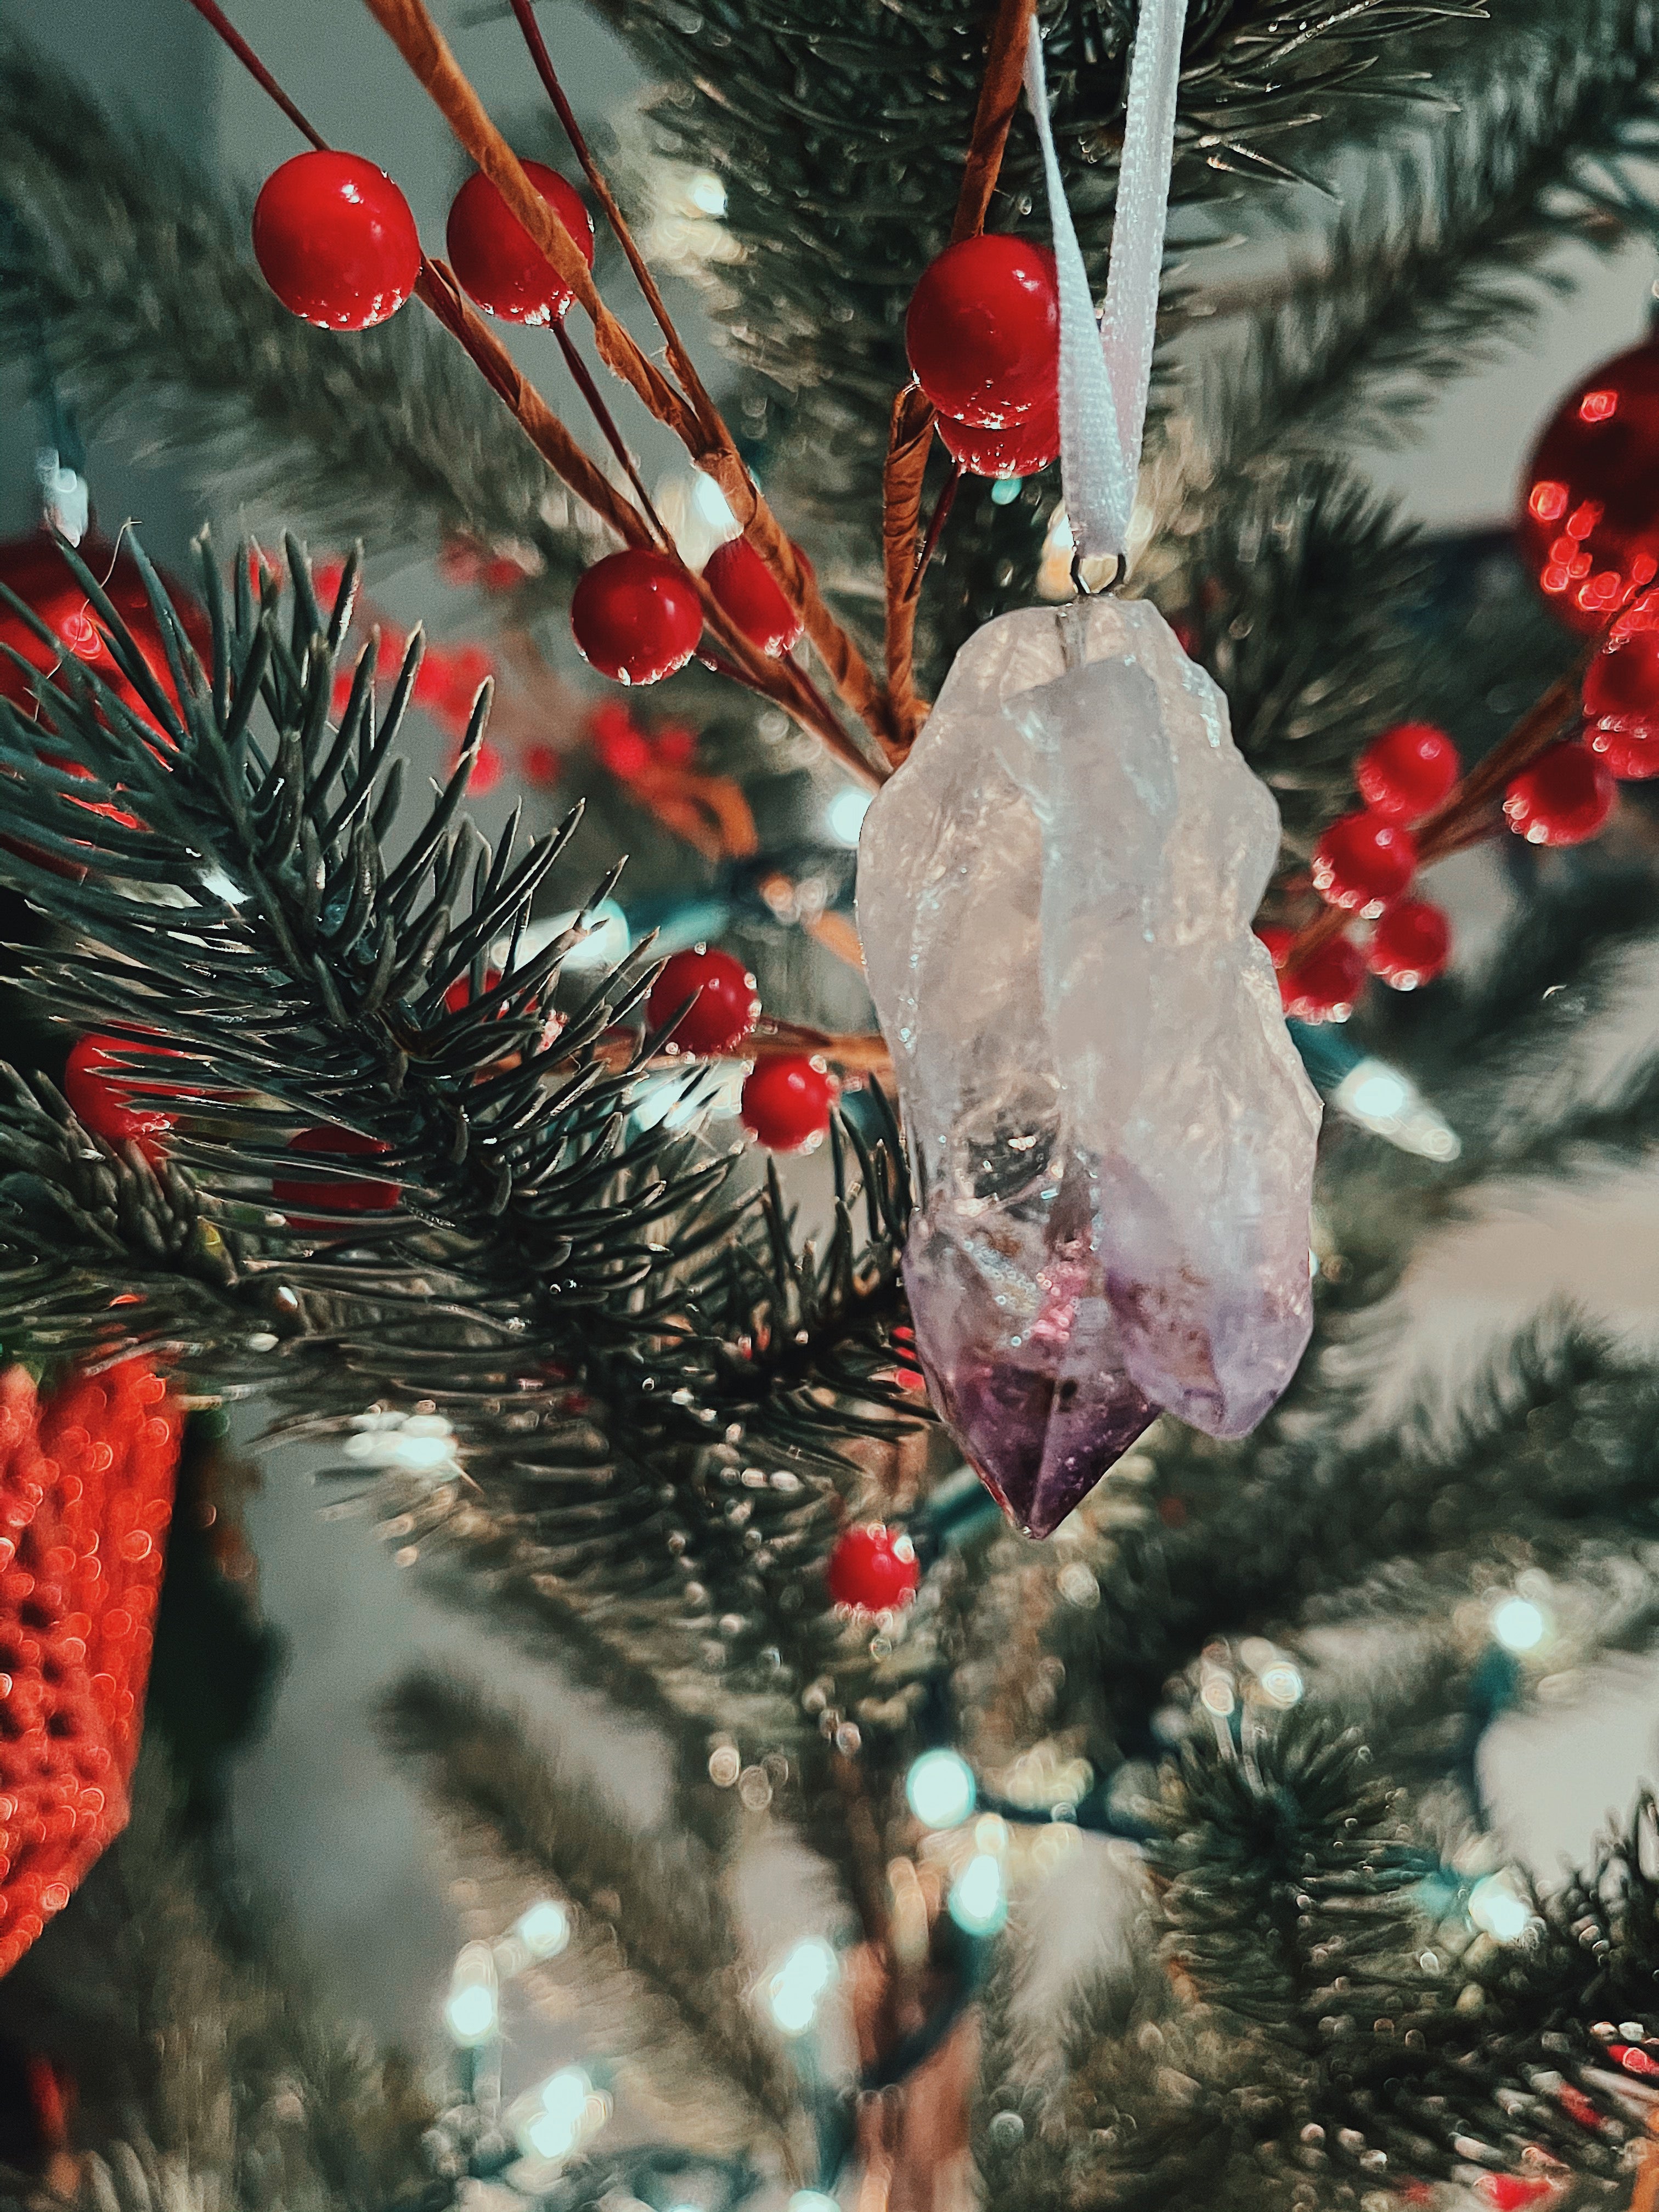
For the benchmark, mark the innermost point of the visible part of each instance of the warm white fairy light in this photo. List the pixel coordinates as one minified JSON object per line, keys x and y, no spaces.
{"x":544,"y":1929}
{"x":940,"y":1789}
{"x":470,"y":2011}
{"x":811,"y":2200}
{"x":978,"y":1902}
{"x":1380,"y":1099}
{"x":1519,"y":1625}
{"x":844,"y":816}
{"x":563,"y":2112}
{"x":403,"y":1444}
{"x":1497,"y":1908}
{"x":795,"y":1992}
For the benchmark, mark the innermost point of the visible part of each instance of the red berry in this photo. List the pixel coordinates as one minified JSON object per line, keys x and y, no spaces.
{"x":983,"y":330}
{"x":1410,"y":945}
{"x":1407,"y":772}
{"x":872,"y":1568}
{"x":1621,"y":684}
{"x":1020,"y":450}
{"x":1325,"y":985}
{"x":1563,"y":799}
{"x":618,"y":745}
{"x":460,"y":993}
{"x":786,"y":1101}
{"x":335,"y":240}
{"x":498,"y":263}
{"x":1632,"y":756}
{"x":675,"y":745}
{"x":541,"y":763}
{"x":343,"y":1196}
{"x":726,"y":1006}
{"x":1363,"y":862}
{"x":744,"y":586}
{"x":636,"y":616}
{"x":1278,"y":940}
{"x":100,"y":1091}
{"x":1513,"y":2192}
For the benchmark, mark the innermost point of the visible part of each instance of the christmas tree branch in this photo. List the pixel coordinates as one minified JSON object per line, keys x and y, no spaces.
{"x":661,"y":1900}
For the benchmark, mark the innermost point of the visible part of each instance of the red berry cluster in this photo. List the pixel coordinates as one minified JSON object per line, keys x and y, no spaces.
{"x":872,"y":1569}
{"x":983,"y":332}
{"x":787,"y":1097}
{"x":637,"y":616}
{"x":632,"y":754}
{"x":1621,"y":695}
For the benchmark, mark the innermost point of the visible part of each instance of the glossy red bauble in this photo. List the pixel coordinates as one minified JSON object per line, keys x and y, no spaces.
{"x":1410,"y":945}
{"x":1364,"y":862}
{"x":497,"y":262}
{"x":636,"y":616}
{"x":787,"y":1102}
{"x":744,"y":586}
{"x":1020,"y":450}
{"x":346,"y":1194}
{"x":873,"y":1568}
{"x":101,"y":1091}
{"x":982,"y":330}
{"x":335,"y":240}
{"x":1407,"y":772}
{"x":86,"y":1495}
{"x":34,"y":568}
{"x":1589,"y":519}
{"x":725,"y":1001}
{"x":1621,"y":684}
{"x":1325,"y":985}
{"x":1563,"y":799}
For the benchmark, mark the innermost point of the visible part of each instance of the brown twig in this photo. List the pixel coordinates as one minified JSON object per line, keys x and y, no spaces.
{"x":410,"y":26}
{"x":913,"y":413}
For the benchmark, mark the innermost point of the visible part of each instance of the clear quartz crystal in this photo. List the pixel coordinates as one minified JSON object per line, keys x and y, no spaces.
{"x":1111,"y":1134}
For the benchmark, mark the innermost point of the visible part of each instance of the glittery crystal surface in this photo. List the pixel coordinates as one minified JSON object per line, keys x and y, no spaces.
{"x":1111,"y":1133}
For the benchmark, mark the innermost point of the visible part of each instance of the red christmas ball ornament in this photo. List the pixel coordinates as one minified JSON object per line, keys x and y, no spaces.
{"x":1563,"y":799}
{"x":1325,"y":985}
{"x":85,"y":1494}
{"x":725,"y":1007}
{"x":100,"y":1077}
{"x":873,"y":1568}
{"x":982,"y":330}
{"x":744,"y":588}
{"x":1621,"y":684}
{"x":335,"y":240}
{"x":1407,"y":772}
{"x":1590,"y":517}
{"x":1021,"y":449}
{"x":636,"y":616}
{"x":1363,"y":862}
{"x":496,"y":260}
{"x":34,"y":568}
{"x":787,"y":1102}
{"x":1410,"y":945}
{"x":346,"y":1194}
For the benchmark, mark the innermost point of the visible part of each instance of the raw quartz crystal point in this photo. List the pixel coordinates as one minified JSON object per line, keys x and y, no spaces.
{"x":1111,"y":1134}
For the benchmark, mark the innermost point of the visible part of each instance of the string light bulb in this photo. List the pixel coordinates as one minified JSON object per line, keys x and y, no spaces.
{"x":1518,"y":1624}
{"x":941,"y":1790}
{"x":1387,"y":1103}
{"x":795,"y":1992}
{"x":544,"y":1929}
{"x":978,"y":1902}
{"x":1497,"y":1908}
{"x":470,"y":2011}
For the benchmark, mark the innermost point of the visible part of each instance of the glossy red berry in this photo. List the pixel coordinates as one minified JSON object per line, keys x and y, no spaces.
{"x":1020,"y":450}
{"x":1563,"y":799}
{"x":1621,"y":684}
{"x":744,"y":586}
{"x":100,"y":1090}
{"x":873,"y":1568}
{"x":1278,"y":940}
{"x":982,"y":330}
{"x":787,"y":1102}
{"x":498,"y":263}
{"x":1410,"y":945}
{"x":726,"y":1004}
{"x":344,"y":1195}
{"x":1407,"y":772}
{"x":335,"y":240}
{"x":636,"y":616}
{"x":1363,"y":863}
{"x":541,"y":765}
{"x":1632,"y":756}
{"x":1325,"y":985}
{"x":1514,"y":2192}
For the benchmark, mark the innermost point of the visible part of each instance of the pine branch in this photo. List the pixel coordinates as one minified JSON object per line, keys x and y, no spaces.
{"x":659,"y":1897}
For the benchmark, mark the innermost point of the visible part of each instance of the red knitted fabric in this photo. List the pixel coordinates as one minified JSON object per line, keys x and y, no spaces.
{"x":86,"y":1493}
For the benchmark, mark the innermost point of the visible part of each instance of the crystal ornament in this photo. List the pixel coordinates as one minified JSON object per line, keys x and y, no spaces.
{"x":1111,"y":1132}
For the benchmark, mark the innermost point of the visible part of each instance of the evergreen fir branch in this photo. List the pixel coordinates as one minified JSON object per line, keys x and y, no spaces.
{"x":659,"y":1897}
{"x":1452,"y":254}
{"x":122,"y":252}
